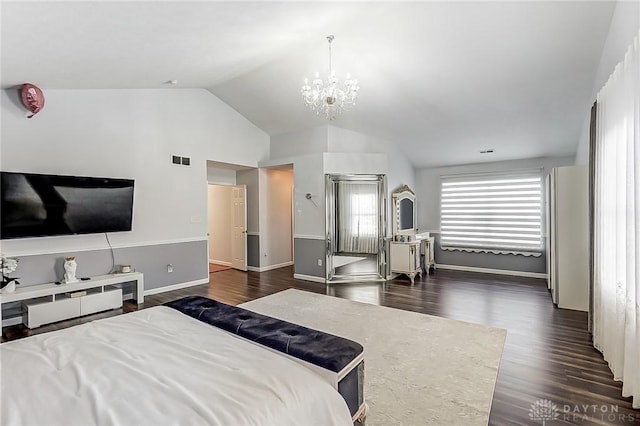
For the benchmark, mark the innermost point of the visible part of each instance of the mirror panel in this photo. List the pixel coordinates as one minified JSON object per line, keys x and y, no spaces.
{"x":406,"y":214}
{"x":356,"y":227}
{"x":404,"y":211}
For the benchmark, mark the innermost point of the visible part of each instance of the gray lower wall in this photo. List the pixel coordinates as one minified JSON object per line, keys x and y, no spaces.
{"x":189,"y":260}
{"x":507,"y":262}
{"x":306,"y":255}
{"x":253,"y":250}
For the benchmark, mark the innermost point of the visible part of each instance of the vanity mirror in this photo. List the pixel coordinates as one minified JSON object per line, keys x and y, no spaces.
{"x":404,"y":213}
{"x":405,"y":250}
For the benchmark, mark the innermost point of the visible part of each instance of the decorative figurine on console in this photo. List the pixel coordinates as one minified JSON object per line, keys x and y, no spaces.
{"x":70,"y":267}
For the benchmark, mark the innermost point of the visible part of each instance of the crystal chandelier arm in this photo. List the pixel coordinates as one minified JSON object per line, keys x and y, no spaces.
{"x":330,"y":40}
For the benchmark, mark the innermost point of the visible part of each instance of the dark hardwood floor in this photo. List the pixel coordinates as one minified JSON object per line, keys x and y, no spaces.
{"x":217,"y":268}
{"x":547,"y":355}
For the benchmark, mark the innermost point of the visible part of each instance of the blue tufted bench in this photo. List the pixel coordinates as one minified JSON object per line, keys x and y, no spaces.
{"x":336,"y":358}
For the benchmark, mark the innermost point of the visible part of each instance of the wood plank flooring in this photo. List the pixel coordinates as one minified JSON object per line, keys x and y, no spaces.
{"x":217,"y":268}
{"x":547,"y":355}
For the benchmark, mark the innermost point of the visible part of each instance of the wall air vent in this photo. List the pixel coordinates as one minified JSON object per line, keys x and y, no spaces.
{"x":180,"y":161}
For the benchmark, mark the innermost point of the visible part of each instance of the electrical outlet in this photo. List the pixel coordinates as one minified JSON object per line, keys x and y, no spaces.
{"x":319,"y":262}
{"x":265,"y":254}
{"x":169,"y":268}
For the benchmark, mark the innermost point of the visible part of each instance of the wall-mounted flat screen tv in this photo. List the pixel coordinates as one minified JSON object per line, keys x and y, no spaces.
{"x":36,"y":205}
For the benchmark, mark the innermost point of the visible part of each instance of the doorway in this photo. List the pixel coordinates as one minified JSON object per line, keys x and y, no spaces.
{"x":227,"y":226}
{"x":356,"y":224}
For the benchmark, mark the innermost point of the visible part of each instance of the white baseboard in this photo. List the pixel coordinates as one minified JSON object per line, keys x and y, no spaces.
{"x":492,"y":271}
{"x":310,"y":278}
{"x":219,"y":262}
{"x":175,"y":286}
{"x":277,"y":266}
{"x":270,"y":267}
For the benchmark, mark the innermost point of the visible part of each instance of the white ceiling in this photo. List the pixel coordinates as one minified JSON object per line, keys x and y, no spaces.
{"x":441,"y":80}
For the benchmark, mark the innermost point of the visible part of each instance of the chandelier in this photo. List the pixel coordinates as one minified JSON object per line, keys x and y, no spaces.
{"x":330,"y":98}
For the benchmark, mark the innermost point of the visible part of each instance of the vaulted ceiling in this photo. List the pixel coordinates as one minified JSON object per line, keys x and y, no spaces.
{"x":440,"y":80}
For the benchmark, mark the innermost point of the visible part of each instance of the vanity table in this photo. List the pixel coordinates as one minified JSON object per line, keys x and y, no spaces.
{"x":405,"y":248}
{"x":427,"y":252}
{"x":405,"y":258}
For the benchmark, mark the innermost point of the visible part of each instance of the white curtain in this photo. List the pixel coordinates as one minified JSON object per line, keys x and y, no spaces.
{"x":358,"y":217}
{"x":616,"y":267}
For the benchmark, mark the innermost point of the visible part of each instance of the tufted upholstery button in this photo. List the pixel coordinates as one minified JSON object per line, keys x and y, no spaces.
{"x":244,"y":317}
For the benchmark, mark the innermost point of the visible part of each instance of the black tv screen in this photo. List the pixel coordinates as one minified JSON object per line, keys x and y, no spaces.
{"x":35,"y":205}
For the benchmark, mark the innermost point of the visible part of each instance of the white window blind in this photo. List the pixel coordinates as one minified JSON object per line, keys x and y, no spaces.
{"x":493,"y":213}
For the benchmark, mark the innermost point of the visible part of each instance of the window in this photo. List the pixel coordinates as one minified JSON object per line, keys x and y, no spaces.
{"x":493,"y":213}
{"x":357,"y":217}
{"x":364,"y":219}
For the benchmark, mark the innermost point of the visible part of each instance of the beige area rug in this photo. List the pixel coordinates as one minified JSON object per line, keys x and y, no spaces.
{"x":419,"y":369}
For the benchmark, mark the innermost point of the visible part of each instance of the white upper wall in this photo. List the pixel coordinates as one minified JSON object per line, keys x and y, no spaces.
{"x":364,"y":163}
{"x":309,"y":213}
{"x":330,"y":149}
{"x":130,"y":134}
{"x":220,"y":176}
{"x":344,"y":140}
{"x":310,"y":141}
{"x":398,"y":168}
{"x":625,"y":25}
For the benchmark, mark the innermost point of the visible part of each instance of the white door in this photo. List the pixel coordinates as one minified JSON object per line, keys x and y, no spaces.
{"x":239,"y":223}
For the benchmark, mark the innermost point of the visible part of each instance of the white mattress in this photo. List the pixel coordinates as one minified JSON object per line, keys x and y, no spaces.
{"x":158,"y":367}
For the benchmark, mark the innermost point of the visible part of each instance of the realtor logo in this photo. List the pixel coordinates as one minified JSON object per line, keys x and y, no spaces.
{"x":543,"y":411}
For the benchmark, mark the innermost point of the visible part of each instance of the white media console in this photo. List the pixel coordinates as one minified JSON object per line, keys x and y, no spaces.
{"x":47,"y":303}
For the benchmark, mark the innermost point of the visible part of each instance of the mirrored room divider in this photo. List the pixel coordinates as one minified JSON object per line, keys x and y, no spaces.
{"x":356,"y":227}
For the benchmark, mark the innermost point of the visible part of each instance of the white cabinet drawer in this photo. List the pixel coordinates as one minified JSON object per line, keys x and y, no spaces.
{"x":48,"y":312}
{"x":400,"y":257}
{"x":97,"y":302}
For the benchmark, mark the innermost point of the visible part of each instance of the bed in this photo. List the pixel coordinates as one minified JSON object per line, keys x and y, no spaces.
{"x":159,"y":366}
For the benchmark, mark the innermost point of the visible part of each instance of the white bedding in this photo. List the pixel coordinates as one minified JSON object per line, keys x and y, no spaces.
{"x":158,"y":367}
